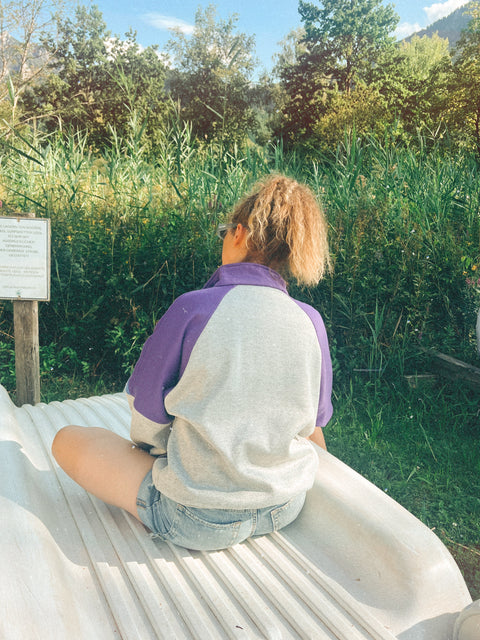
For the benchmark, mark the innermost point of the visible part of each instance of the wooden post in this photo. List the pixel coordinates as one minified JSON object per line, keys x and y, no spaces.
{"x":27,"y":355}
{"x":25,"y":279}
{"x":27,"y":350}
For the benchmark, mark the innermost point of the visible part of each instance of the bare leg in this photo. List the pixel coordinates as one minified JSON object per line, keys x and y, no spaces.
{"x":102,"y":462}
{"x":318,"y":438}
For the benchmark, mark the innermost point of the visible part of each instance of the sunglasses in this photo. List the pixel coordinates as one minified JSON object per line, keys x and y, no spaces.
{"x":223,"y":229}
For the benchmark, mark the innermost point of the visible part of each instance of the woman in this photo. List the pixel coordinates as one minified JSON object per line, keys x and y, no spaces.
{"x":229,"y":389}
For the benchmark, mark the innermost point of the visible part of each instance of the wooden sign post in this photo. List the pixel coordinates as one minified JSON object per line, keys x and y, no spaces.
{"x":25,"y":279}
{"x":27,"y":351}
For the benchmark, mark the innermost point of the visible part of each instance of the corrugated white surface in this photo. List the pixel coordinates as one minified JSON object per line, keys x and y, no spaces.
{"x":72,"y":567}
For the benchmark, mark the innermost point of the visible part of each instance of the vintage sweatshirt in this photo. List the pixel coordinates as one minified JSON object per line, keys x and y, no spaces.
{"x":227,"y":388}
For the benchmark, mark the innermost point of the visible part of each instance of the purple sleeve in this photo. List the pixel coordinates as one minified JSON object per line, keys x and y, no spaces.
{"x":166,"y":352}
{"x":325,"y":409}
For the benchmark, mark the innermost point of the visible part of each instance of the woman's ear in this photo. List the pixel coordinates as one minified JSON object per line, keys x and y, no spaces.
{"x":240,"y":235}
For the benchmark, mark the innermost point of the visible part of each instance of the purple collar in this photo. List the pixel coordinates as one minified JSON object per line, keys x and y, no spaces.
{"x":246,"y":273}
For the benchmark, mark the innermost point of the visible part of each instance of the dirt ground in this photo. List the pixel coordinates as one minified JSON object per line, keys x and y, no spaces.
{"x":468,"y":560}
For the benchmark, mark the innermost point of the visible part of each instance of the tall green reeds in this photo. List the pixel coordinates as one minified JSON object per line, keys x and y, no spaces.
{"x":130,"y":232}
{"x":403,"y":218}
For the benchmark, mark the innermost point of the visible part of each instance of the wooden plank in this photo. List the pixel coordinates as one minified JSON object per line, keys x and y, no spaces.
{"x":27,"y":354}
{"x":457,"y":369}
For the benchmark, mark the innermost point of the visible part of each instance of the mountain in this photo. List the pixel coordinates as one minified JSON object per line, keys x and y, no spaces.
{"x":449,"y":27}
{"x":18,"y":59}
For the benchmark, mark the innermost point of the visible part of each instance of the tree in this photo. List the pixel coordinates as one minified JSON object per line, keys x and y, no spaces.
{"x":343,"y":40}
{"x":363,"y":111}
{"x":292,"y":48}
{"x":211,"y":76}
{"x":97,"y":81}
{"x":137,"y":78}
{"x":348,"y":35}
{"x":463,"y":108}
{"x":412,"y":78}
{"x":23,"y":23}
{"x":304,"y":98}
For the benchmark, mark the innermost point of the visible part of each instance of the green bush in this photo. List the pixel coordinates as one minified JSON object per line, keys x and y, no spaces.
{"x":130,"y":233}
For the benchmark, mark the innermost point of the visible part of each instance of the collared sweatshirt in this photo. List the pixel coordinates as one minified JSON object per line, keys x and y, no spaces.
{"x":227,"y":388}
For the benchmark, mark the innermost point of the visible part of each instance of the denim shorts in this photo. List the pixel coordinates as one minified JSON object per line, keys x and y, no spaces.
{"x":209,"y":529}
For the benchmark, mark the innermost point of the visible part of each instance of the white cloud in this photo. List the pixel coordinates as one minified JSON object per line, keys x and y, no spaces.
{"x":406,"y":29}
{"x":166,"y":23}
{"x":439,"y":10}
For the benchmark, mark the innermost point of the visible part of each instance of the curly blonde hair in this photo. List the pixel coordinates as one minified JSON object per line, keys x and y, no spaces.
{"x":287,"y":229}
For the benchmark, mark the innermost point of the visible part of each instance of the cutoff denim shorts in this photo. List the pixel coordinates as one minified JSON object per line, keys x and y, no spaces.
{"x":209,"y":529}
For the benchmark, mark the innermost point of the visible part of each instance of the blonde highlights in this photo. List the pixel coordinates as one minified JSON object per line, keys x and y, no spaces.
{"x":287,"y":228}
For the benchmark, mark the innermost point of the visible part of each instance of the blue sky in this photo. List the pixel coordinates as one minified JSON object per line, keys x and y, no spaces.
{"x":268,"y":20}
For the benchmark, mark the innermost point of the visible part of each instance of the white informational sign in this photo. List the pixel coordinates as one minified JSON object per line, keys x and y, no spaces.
{"x":24,"y":258}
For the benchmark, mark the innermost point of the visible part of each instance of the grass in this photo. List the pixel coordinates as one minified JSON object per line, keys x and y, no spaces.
{"x":420,"y":446}
{"x":54,"y":388}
